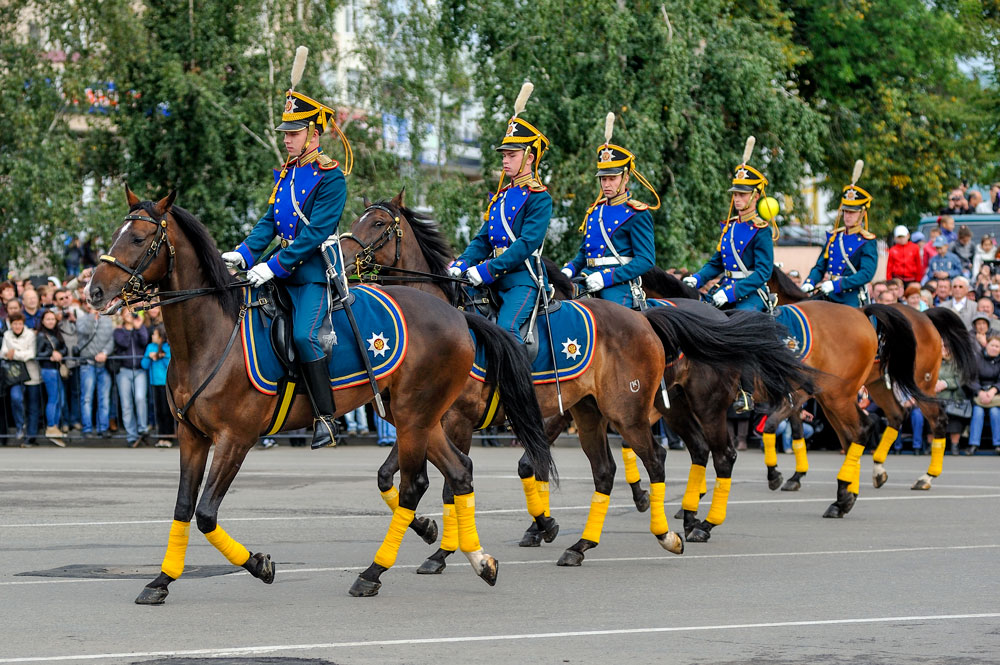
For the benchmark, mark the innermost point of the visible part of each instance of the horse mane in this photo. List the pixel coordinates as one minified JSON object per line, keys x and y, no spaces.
{"x":213,"y":268}
{"x":665,"y":285}
{"x":786,"y":286}
{"x":558,"y":279}
{"x":433,"y":245}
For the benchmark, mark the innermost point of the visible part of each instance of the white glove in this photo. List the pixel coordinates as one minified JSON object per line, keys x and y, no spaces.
{"x":826,"y":287}
{"x":691,"y":281}
{"x":454,"y":271}
{"x":720,"y":298}
{"x":594,"y":281}
{"x":259,"y":274}
{"x":567,"y":272}
{"x":472,"y":274}
{"x":234,"y":260}
{"x":807,"y":287}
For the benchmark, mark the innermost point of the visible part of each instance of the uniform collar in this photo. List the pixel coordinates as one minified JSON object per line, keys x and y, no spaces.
{"x":752,"y":215}
{"x":308,"y":158}
{"x":619,"y":199}
{"x":853,"y":230}
{"x":522,"y":180}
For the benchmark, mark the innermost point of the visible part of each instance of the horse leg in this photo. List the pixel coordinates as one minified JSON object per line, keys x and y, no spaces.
{"x":435,"y":563}
{"x":653,"y":456}
{"x":849,"y":476}
{"x":424,"y":527}
{"x":536,"y":497}
{"x":723,"y":458}
{"x":592,"y":430}
{"x":885,"y":398}
{"x":769,"y":436}
{"x":639,"y":495}
{"x":194,"y":455}
{"x":935,"y":414}
{"x":681,"y":418}
{"x":794,"y":483}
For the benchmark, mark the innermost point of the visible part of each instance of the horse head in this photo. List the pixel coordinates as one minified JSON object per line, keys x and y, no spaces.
{"x":376,"y":237}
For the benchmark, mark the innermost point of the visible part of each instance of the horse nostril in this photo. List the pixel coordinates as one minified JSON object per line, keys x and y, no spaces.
{"x":96,"y":294}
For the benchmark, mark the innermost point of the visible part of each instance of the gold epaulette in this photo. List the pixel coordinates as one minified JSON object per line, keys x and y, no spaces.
{"x":637,"y":205}
{"x":867,"y":235}
{"x":761,"y":223}
{"x":326,"y":163}
{"x":536,"y":186}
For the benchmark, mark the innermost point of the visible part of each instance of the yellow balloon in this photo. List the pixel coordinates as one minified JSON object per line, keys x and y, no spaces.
{"x":768,"y":208}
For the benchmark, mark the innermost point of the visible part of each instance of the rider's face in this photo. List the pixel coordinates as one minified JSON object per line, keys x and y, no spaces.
{"x":610,"y":184}
{"x":742,"y":199}
{"x":512,"y":161}
{"x":295,"y":141}
{"x":851,"y":218}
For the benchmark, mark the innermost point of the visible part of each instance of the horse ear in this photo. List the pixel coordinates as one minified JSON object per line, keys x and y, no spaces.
{"x":130,"y":196}
{"x":163,"y":205}
{"x":399,"y":199}
{"x":364,"y":199}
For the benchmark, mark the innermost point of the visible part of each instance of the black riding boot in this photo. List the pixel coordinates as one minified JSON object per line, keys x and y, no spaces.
{"x":317,"y":380}
{"x":744,"y":401}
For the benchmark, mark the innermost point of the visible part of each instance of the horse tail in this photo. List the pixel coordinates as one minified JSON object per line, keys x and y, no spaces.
{"x":508,"y":369}
{"x":958,"y":340}
{"x":897,"y":349}
{"x":558,"y":279}
{"x":746,"y":342}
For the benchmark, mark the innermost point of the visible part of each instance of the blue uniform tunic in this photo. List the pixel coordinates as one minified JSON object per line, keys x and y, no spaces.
{"x":320,"y":190}
{"x":629,"y":226}
{"x":501,"y":251}
{"x":756,"y":248}
{"x":858,"y":247}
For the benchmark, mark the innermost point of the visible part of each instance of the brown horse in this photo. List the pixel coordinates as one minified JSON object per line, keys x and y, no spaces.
{"x":162,"y":245}
{"x":936,"y":327}
{"x":619,"y":389}
{"x":845,"y":348}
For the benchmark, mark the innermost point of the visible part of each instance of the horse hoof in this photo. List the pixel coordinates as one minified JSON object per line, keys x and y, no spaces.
{"x":260,"y":566}
{"x":679,"y":515}
{"x":570,"y":558}
{"x":791,"y":486}
{"x":550,"y":534}
{"x":921,"y":484}
{"x":431,"y":567}
{"x":848,"y":502}
{"x":363,"y":588}
{"x":642,"y":501}
{"x":671,"y":542}
{"x":774,"y":482}
{"x":833,"y":512}
{"x":878,"y":479}
{"x":547,"y":527}
{"x":531,"y":539}
{"x":152,"y":596}
{"x":698,"y":535}
{"x":430,"y":533}
{"x":489,"y":570}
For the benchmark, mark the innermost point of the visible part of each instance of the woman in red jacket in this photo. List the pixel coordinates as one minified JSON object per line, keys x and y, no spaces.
{"x":904,"y":258}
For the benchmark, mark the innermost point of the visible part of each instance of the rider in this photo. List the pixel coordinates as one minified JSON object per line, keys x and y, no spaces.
{"x":304,"y":210}
{"x":744,"y":255}
{"x":613,"y":269}
{"x":503,"y":252}
{"x":850,"y":256}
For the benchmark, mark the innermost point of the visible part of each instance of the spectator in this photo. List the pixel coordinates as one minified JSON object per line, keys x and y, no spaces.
{"x":357,"y":421}
{"x":152,"y":318}
{"x":795,"y":276}
{"x":981,"y":329}
{"x":994,"y":203}
{"x":912,"y":298}
{"x":49,"y":351}
{"x":386,"y":432}
{"x":72,"y":256}
{"x":156,"y":360}
{"x":896,"y":287}
{"x":928,"y":247}
{"x":67,"y":312}
{"x":784,"y":430}
{"x":960,"y":302}
{"x":944,"y":261}
{"x":7,"y":292}
{"x":957,"y":204}
{"x":942,"y":291}
{"x":886,"y":297}
{"x":976,"y":203}
{"x":927,"y":297}
{"x":986,"y":307}
{"x":964,"y":248}
{"x":130,"y":345}
{"x":904,"y":259}
{"x":985,"y":388}
{"x":947,"y":225}
{"x":19,"y":344}
{"x":46,"y":296}
{"x":877,"y":289}
{"x":14,"y":307}
{"x":983,"y":280}
{"x":32,"y":310}
{"x":986,"y":250}
{"x":96,"y":342}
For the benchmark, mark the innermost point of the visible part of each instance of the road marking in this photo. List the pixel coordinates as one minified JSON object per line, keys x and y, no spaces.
{"x":530,"y":562}
{"x":277,"y":648}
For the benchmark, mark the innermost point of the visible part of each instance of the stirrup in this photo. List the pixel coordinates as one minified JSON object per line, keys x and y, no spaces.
{"x":743,"y":403}
{"x":324,"y":432}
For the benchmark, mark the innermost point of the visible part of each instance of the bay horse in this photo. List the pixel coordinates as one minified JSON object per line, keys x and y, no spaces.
{"x":936,"y":327}
{"x":397,"y":243}
{"x":162,"y":245}
{"x":845,"y":348}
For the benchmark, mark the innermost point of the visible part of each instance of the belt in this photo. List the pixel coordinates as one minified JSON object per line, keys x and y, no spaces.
{"x":607,"y":261}
{"x":738,"y":274}
{"x":498,"y":251}
{"x":285,"y":242}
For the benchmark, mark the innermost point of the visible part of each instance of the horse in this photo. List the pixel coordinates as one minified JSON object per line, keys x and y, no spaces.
{"x":936,"y":327}
{"x":844,"y":349}
{"x":394,"y":242}
{"x":161,"y":245}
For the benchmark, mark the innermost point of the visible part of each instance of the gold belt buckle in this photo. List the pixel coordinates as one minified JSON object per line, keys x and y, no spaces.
{"x":284,"y":243}
{"x":498,"y":251}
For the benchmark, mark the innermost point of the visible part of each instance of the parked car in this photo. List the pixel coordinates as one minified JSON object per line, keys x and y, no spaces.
{"x":980,"y":225}
{"x":810,"y":234}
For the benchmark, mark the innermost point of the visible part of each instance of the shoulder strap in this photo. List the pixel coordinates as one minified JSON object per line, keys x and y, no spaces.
{"x":843,"y":252}
{"x":607,"y":238}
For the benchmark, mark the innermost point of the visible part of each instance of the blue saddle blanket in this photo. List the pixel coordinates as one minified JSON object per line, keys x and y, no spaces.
{"x":573,"y":337}
{"x":799,"y":338}
{"x":380,"y":322}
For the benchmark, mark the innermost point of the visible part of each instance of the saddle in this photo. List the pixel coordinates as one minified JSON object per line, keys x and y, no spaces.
{"x":485,"y":304}
{"x":276,"y":310}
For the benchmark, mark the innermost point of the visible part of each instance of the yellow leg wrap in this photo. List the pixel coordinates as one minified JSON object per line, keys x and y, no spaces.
{"x":770,"y":452}
{"x":631,"y":468}
{"x":391,"y":498}
{"x":449,"y":528}
{"x":937,"y":458}
{"x":468,"y":537}
{"x":232,"y":550}
{"x":850,"y":470}
{"x":543,"y":494}
{"x":386,"y":555}
{"x":692,"y":493}
{"x":531,"y":496}
{"x":595,"y":520}
{"x":173,"y":560}
{"x":855,"y":485}
{"x":657,"y":515}
{"x":703,"y":486}
{"x":720,"y":499}
{"x":801,"y":458}
{"x":888,"y":438}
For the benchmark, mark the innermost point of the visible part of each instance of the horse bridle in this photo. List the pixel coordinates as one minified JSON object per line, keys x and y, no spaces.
{"x":136,"y":287}
{"x":365,"y":258}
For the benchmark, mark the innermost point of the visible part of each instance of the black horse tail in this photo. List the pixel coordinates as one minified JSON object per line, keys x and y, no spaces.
{"x":897,"y":349}
{"x":658,"y":283}
{"x":508,"y":369}
{"x":957,"y":339}
{"x":559,"y":281}
{"x":745,"y":342}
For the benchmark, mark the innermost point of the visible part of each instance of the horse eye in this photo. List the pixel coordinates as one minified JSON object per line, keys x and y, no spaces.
{"x":379,"y":222}
{"x":136,"y":240}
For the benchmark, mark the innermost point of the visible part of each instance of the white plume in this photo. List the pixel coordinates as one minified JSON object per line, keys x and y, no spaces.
{"x":748,"y":148}
{"x":522,"y":97}
{"x":299,"y":66}
{"x":858,"y":168}
{"x":609,"y":126}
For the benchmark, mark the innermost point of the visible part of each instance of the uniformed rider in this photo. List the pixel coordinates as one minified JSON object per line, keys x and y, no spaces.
{"x":850,"y":256}
{"x":502,"y":254}
{"x":304,"y":210}
{"x":618,"y":244}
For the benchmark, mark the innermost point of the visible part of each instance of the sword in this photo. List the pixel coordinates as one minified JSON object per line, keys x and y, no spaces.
{"x":548,"y":324}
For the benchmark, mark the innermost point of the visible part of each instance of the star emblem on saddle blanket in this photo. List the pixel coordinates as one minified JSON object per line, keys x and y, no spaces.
{"x":571,"y":348}
{"x":378,"y":345}
{"x":607,"y":154}
{"x":792,"y":344}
